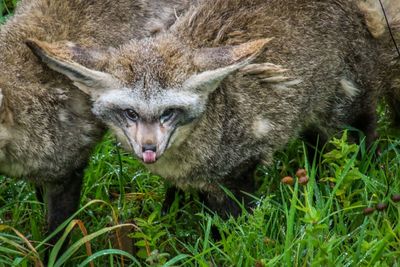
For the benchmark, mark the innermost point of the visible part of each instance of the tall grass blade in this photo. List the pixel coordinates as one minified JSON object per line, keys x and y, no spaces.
{"x":108,"y":252}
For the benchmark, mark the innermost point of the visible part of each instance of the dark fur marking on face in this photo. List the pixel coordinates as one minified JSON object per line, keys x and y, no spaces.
{"x":144,"y":81}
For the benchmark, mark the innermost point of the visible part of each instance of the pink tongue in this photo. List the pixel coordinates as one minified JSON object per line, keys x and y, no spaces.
{"x":149,"y":156}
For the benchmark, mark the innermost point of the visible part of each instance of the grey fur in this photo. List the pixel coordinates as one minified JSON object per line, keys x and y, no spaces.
{"x":323,"y":70}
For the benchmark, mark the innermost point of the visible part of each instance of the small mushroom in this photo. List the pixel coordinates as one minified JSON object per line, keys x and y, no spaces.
{"x":381,"y":206}
{"x":396,"y":198}
{"x":303,"y":180}
{"x":301,"y":173}
{"x":368,"y":211}
{"x":288,"y":180}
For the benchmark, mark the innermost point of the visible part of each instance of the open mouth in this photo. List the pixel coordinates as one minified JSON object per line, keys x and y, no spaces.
{"x":149,"y":156}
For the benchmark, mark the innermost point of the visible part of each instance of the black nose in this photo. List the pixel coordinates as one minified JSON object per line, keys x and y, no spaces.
{"x":149,"y":147}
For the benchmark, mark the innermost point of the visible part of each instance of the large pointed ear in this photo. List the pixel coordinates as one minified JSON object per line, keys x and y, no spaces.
{"x":219,"y":62}
{"x":75,"y":62}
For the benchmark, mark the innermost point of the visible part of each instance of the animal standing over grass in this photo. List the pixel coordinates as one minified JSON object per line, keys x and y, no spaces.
{"x":47,"y":130}
{"x":231,"y":83}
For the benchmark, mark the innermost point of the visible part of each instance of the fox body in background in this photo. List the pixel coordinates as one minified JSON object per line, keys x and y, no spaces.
{"x":231,"y":83}
{"x":47,"y":129}
{"x":378,"y":27}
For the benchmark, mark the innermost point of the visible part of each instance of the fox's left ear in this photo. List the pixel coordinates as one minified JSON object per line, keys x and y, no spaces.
{"x":219,"y":62}
{"x":75,"y":62}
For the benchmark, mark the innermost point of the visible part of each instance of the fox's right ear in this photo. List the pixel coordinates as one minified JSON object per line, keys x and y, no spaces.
{"x":217,"y":63}
{"x":68,"y":58}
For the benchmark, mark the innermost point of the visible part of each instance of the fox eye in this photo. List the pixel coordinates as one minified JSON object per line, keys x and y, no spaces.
{"x":131,"y":114}
{"x":167,"y":115}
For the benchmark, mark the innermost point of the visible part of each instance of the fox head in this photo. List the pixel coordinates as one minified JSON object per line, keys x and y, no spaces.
{"x":149,"y":92}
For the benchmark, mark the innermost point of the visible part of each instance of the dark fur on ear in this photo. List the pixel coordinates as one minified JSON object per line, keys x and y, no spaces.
{"x":212,"y":58}
{"x":90,"y":57}
{"x":220,"y":62}
{"x":68,"y":59}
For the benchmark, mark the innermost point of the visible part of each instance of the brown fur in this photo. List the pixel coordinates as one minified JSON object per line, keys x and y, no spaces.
{"x":47,"y":130}
{"x":321,"y":71}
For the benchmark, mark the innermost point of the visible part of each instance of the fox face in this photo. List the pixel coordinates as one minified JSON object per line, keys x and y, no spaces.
{"x":150,"y":92}
{"x":146,"y":124}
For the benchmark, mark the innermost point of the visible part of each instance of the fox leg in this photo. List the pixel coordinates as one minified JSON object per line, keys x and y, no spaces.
{"x":39,"y":193}
{"x":170,"y":195}
{"x":394,"y":104}
{"x":62,"y":201}
{"x":393,"y":98}
{"x":315,"y":140}
{"x":395,"y":109}
{"x":367,"y":123}
{"x":223,"y":205}
{"x":240,"y":186}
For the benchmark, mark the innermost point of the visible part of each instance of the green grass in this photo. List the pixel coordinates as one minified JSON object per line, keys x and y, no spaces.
{"x":318,"y":224}
{"x":6,"y":8}
{"x":321,"y":223}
